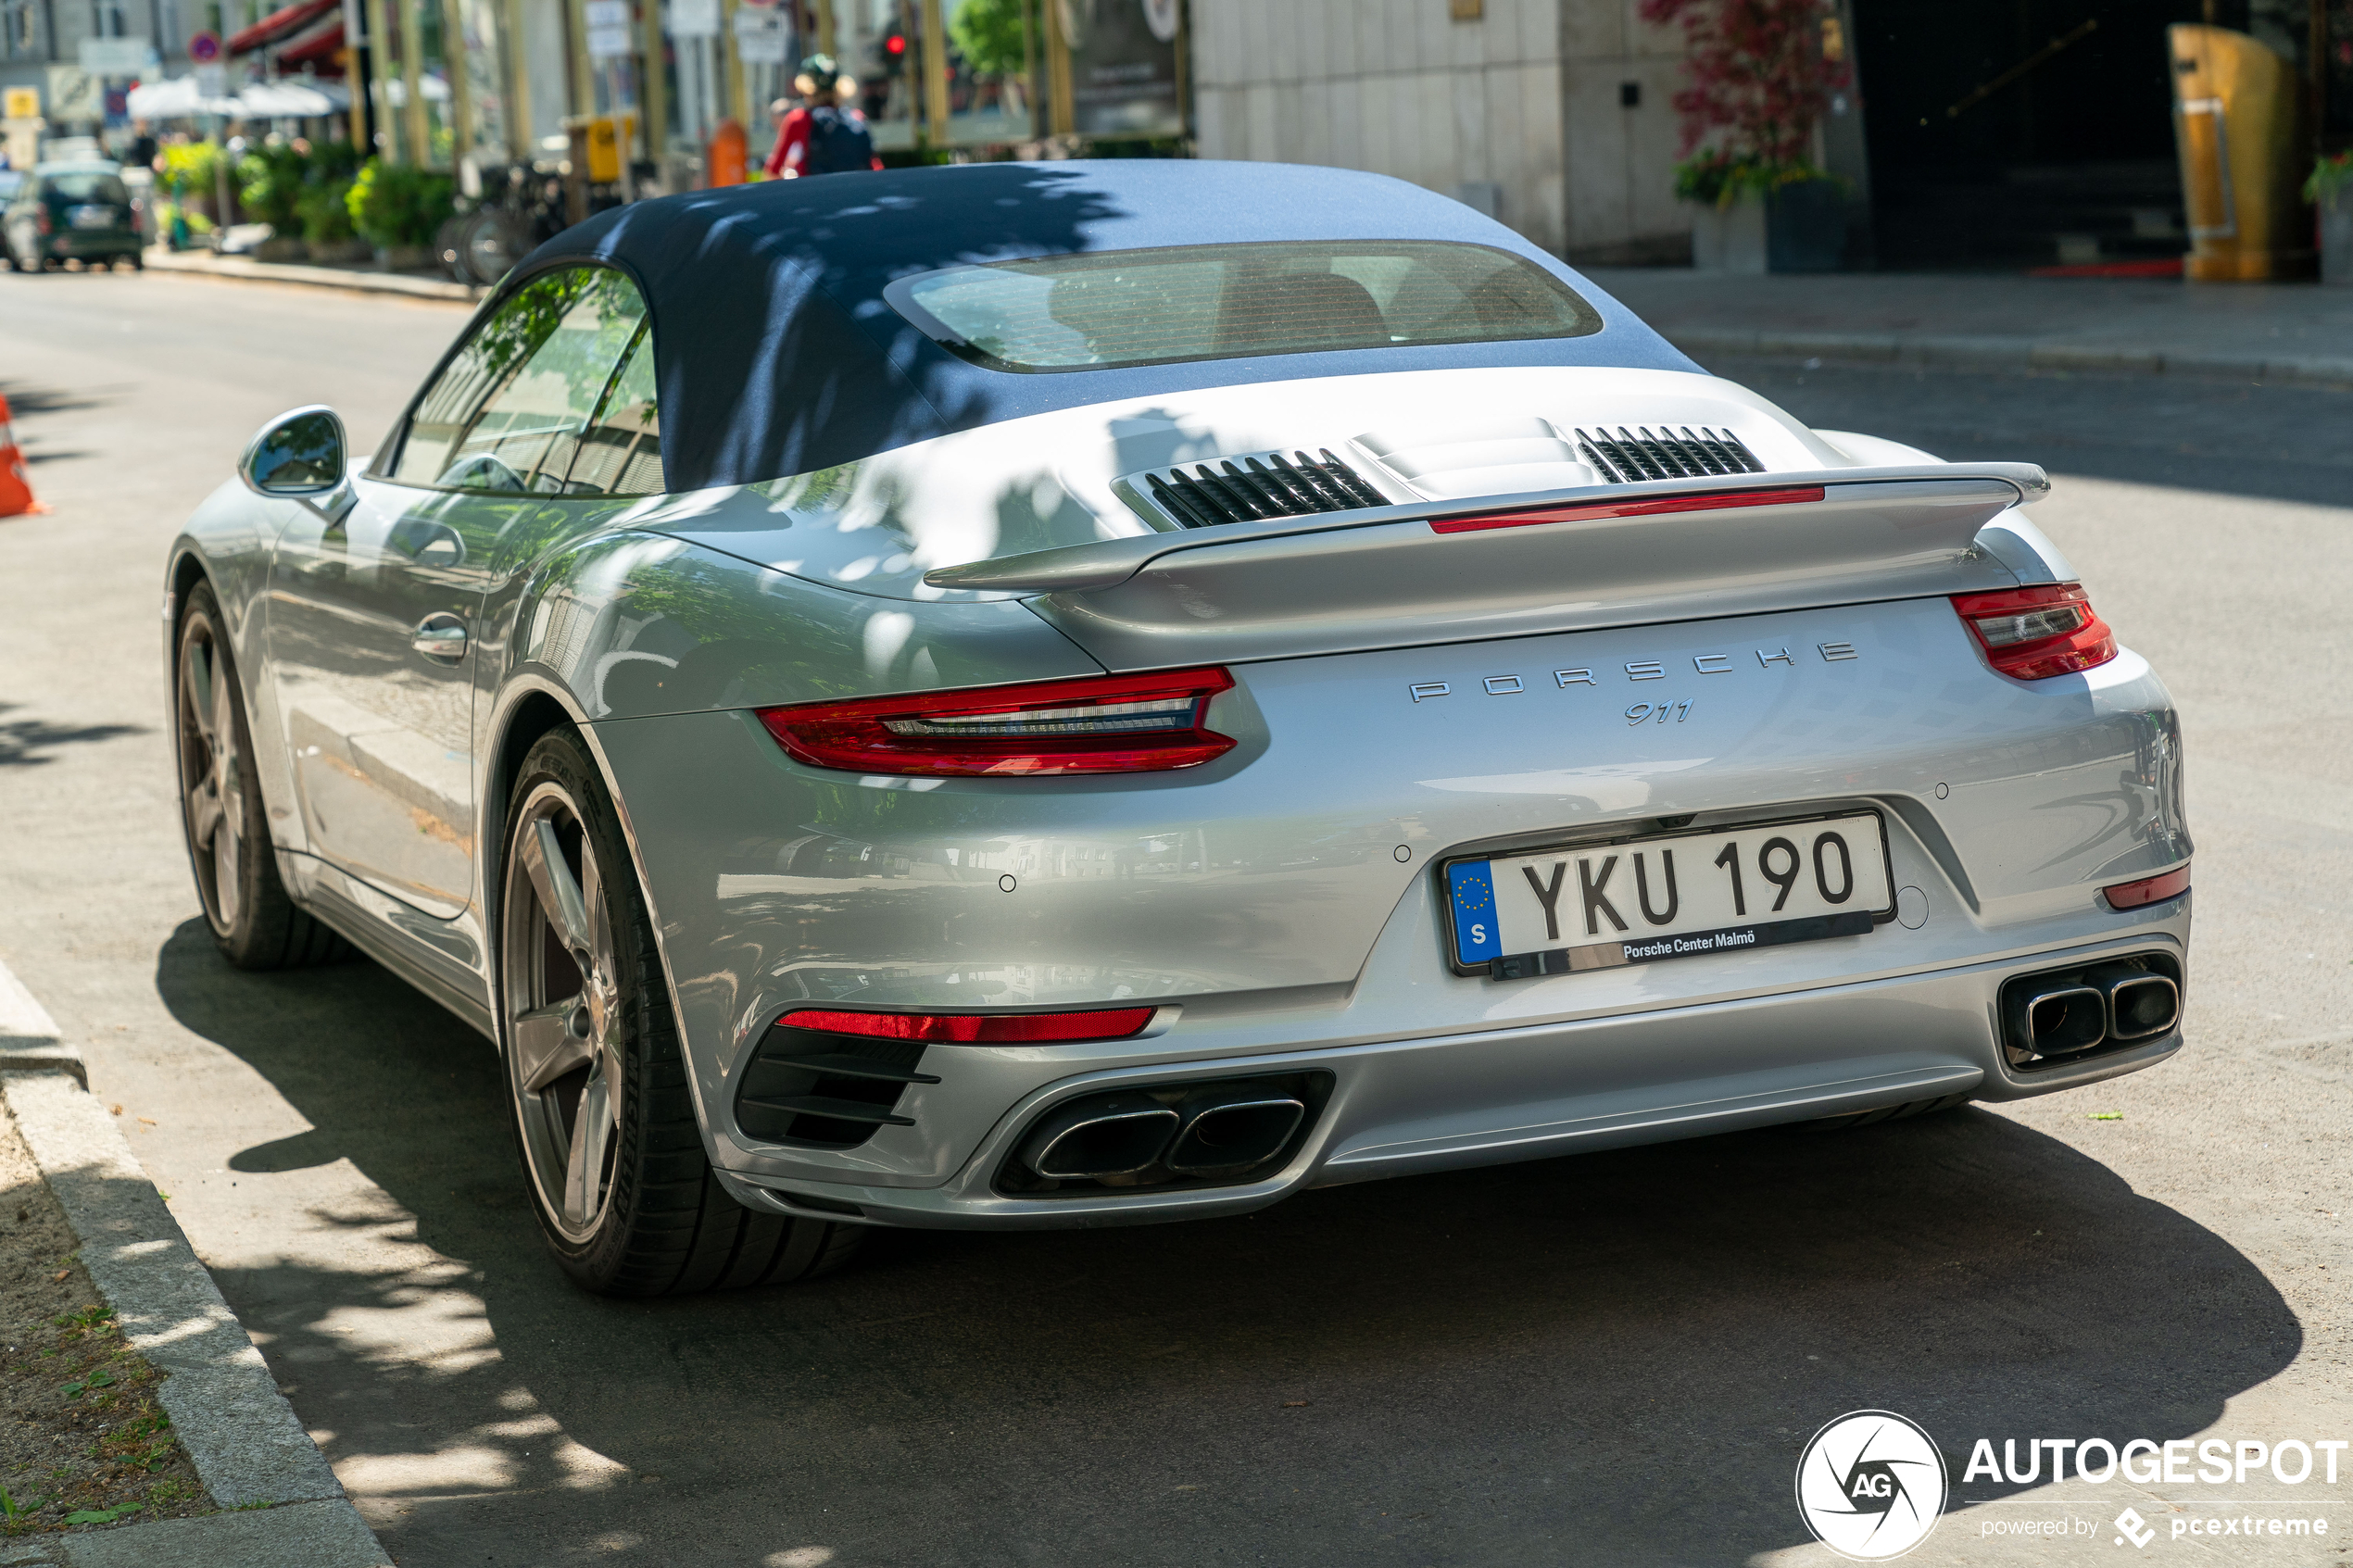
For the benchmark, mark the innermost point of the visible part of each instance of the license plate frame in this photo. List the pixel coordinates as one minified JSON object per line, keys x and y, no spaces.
{"x":1746,"y":934}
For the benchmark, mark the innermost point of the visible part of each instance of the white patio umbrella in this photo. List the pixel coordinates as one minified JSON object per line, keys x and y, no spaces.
{"x":282,"y":100}
{"x":177,"y":98}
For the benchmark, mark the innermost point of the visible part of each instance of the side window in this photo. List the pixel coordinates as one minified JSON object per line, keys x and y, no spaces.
{"x":510,"y":412}
{"x":621,"y":450}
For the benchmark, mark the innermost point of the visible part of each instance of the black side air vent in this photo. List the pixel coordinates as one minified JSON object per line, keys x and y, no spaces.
{"x":1238,"y":490}
{"x":825,"y":1091}
{"x":1637,"y":455}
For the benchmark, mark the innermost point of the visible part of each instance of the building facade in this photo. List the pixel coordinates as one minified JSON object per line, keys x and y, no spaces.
{"x":1555,"y":116}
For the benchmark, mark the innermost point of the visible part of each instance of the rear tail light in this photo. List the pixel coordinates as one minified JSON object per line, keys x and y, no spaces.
{"x":1717,"y":500}
{"x":2033,"y":634}
{"x":2149,"y":890}
{"x":973,"y":1028}
{"x":1101,"y":724}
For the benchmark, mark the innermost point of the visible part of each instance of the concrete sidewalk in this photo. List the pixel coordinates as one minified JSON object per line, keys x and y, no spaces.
{"x":351,"y":279}
{"x":2299,"y":334}
{"x":281,"y":1507}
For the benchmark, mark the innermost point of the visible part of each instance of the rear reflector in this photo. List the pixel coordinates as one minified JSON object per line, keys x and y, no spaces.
{"x":2034,"y":633}
{"x":973,"y":1028}
{"x":1645,"y":507}
{"x":1101,"y":724}
{"x":2149,"y":890}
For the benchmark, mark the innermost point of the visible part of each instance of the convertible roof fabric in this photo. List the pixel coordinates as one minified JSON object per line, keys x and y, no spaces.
{"x":776,"y":353}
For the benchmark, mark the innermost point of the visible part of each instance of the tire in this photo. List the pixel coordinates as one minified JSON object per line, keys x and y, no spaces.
{"x":253,"y":920}
{"x":1886,"y":1113}
{"x":138,"y":261}
{"x":603,"y":1114}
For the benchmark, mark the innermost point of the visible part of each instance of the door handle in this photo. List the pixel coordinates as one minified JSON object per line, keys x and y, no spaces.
{"x":440,"y":637}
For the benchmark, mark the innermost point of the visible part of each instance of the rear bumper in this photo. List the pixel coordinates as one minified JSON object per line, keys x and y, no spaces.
{"x":83,"y":246}
{"x":1494,"y":1096}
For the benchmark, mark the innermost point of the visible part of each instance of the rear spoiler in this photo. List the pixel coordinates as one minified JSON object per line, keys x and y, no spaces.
{"x":1554,"y":560}
{"x":1107,"y":563}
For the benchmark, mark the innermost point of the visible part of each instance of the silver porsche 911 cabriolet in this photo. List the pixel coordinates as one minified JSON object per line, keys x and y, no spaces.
{"x":1086,"y":694}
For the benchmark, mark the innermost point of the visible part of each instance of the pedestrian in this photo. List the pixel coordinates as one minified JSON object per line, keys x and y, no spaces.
{"x":143,"y":151}
{"x":825,"y":135}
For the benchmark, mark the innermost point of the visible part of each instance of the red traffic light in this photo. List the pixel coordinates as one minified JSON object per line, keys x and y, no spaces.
{"x":895,"y":44}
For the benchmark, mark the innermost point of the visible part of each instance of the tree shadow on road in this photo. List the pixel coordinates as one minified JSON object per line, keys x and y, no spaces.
{"x":27,"y":743}
{"x":1613,"y":1358}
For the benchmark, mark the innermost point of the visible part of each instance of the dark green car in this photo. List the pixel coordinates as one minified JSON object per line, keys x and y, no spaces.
{"x":70,"y":211}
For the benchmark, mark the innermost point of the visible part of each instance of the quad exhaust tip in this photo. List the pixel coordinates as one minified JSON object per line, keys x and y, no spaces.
{"x":1192,"y":1133}
{"x":2068,"y":1014}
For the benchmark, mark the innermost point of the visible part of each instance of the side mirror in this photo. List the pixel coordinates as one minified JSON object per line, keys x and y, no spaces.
{"x":296,"y":455}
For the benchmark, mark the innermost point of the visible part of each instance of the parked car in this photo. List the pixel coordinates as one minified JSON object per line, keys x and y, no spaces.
{"x":71,"y":212}
{"x":1083,"y":694}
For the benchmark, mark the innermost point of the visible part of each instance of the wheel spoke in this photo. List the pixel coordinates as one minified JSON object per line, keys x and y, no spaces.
{"x":543,"y":859}
{"x":204,"y":813}
{"x":546,"y":1048}
{"x":592,"y":896}
{"x":197,"y":672}
{"x":585,"y":1171}
{"x":228,"y":843}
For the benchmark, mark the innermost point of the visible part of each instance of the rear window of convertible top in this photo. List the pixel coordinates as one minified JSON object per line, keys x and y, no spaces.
{"x":1165,"y":306}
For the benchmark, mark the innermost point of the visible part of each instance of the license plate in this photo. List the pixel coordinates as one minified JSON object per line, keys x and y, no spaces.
{"x":91,"y":217}
{"x":1669,"y":896}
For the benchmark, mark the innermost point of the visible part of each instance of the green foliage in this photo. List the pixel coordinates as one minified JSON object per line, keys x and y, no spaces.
{"x":397,"y":203}
{"x":2331,"y":179}
{"x":325,"y":212}
{"x":1723,"y":178}
{"x":988,"y":34}
{"x":189,"y":169}
{"x":102,"y":1515}
{"x":269,"y":184}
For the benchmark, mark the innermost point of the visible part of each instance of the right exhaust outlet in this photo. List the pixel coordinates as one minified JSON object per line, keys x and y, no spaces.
{"x":2141,"y":1005}
{"x":2066,"y":1015}
{"x":1229,"y":1130}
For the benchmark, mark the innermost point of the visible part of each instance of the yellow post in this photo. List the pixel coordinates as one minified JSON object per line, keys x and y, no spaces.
{"x":412,"y":79}
{"x":1065,"y":114}
{"x":379,"y":23}
{"x":824,"y":28}
{"x":2238,"y":119}
{"x":583,"y":73}
{"x":520,"y":143}
{"x":654,"y":102}
{"x":730,"y":69}
{"x":935,"y":63}
{"x":461,"y":93}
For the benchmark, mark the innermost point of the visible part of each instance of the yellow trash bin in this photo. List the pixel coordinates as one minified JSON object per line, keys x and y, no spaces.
{"x":2238,"y":120}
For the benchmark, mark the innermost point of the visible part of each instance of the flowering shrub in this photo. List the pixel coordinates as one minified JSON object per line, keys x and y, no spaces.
{"x":1758,"y":81}
{"x":2330,"y":178}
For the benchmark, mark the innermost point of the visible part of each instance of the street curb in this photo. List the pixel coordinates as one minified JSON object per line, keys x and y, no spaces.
{"x":29,"y":1040}
{"x":2010,"y":354}
{"x":238,"y":271}
{"x":249,"y":1451}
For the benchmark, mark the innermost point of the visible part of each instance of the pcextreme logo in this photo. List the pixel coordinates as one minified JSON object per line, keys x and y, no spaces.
{"x":1871,"y":1485}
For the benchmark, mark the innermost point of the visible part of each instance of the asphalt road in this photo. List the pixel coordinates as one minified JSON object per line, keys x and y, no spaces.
{"x":1611,"y":1359}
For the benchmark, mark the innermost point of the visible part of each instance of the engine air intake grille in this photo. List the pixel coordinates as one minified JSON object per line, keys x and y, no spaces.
{"x":822,"y":1090}
{"x":1631,"y":456}
{"x":1274,"y":485}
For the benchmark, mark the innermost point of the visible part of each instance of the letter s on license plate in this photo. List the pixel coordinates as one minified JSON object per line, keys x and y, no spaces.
{"x":1671,"y":896}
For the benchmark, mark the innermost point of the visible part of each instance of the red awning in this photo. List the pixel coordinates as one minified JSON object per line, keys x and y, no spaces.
{"x":279,"y":24}
{"x":317,"y":46}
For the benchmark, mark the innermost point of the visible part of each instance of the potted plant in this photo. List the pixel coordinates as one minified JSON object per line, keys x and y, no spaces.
{"x":1758,"y":82}
{"x":397,"y":210}
{"x":2331,"y":190}
{"x":269,"y":184}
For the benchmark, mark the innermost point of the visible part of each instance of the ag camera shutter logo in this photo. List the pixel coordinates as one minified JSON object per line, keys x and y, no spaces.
{"x":1871,"y":1485}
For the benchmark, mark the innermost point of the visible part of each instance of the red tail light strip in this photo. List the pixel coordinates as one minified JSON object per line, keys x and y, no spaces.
{"x":2034,"y":633}
{"x":1100,"y":725}
{"x":1645,"y":507}
{"x":2149,"y":890}
{"x":974,"y":1028}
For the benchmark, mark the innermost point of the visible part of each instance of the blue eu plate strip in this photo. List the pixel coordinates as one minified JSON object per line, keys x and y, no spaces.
{"x":1478,"y":935}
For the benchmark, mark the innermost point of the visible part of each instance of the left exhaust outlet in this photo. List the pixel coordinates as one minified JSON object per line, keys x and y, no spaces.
{"x":1215,"y":1132}
{"x":1104,"y":1136}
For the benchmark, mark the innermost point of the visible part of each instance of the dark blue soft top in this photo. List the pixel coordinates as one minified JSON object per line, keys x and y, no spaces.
{"x":776,"y":353}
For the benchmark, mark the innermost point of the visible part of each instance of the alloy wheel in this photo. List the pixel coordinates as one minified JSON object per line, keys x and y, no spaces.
{"x":211,"y":785}
{"x":565,"y":1028}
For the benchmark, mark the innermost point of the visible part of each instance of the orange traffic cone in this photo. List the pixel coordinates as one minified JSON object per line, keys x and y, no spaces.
{"x":16,"y":491}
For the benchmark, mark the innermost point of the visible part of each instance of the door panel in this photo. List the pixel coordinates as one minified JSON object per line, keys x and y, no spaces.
{"x":379,"y":717}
